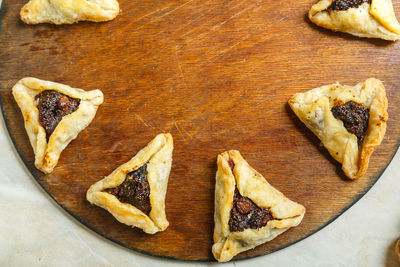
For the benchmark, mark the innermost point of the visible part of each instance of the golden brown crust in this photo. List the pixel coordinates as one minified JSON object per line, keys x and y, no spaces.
{"x":314,"y":109}
{"x":48,"y":153}
{"x":375,"y":20}
{"x":158,"y":157}
{"x":68,"y":11}
{"x":253,"y":185}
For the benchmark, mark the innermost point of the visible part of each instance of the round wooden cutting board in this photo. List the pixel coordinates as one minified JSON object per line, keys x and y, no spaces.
{"x":216,"y":75}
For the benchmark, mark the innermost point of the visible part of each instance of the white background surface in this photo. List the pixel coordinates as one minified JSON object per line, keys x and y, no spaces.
{"x":35,"y":231}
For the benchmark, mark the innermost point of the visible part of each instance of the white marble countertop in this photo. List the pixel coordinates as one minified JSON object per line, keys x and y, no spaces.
{"x":35,"y":231}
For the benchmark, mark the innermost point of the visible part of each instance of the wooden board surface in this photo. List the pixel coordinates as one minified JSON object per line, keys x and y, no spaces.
{"x":215,"y":74}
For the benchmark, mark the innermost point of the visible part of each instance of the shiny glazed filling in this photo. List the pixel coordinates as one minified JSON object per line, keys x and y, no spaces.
{"x":346,"y":4}
{"x":135,"y":190}
{"x":355,"y":118}
{"x":53,"y":106}
{"x":245,"y":214}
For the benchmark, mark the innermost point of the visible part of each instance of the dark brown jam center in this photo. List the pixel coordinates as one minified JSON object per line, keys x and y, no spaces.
{"x":346,"y":4}
{"x":355,"y":118}
{"x":135,"y":190}
{"x":53,"y":106}
{"x":245,"y":214}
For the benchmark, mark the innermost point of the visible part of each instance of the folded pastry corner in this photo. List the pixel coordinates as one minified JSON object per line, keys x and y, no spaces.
{"x":362,"y":18}
{"x":248,"y":210}
{"x":68,"y":11}
{"x":134,"y":193}
{"x":350,"y":121}
{"x":54,"y":115}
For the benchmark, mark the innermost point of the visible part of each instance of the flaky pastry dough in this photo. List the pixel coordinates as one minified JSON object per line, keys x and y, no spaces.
{"x":68,"y":11}
{"x":48,"y":152}
{"x":375,"y":20}
{"x":253,"y":185}
{"x":158,"y":157}
{"x":314,"y":109}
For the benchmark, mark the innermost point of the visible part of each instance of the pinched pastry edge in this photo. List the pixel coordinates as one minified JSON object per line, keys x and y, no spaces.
{"x":158,"y":156}
{"x":48,"y":153}
{"x":68,"y":11}
{"x":313,"y":108}
{"x":375,"y":20}
{"x":253,"y":185}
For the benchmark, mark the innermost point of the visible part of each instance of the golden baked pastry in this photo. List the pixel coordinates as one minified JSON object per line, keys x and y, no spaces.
{"x":248,"y":210}
{"x":134,"y":193}
{"x":362,"y":18}
{"x":54,"y":115}
{"x":350,"y":121}
{"x":68,"y":11}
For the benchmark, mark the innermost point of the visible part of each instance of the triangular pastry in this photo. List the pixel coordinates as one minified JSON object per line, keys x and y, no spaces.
{"x":68,"y":11}
{"x":350,"y":121}
{"x":54,"y":115}
{"x":362,"y":18}
{"x":248,"y":210}
{"x":135,"y":192}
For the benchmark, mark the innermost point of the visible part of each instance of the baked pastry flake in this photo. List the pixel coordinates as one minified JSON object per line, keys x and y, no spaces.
{"x":134,"y":193}
{"x":350,"y":121}
{"x":54,"y":115}
{"x":68,"y":11}
{"x":248,"y":210}
{"x":362,"y":18}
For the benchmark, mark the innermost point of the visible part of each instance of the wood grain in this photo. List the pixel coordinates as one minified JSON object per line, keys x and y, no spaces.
{"x":217,"y":75}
